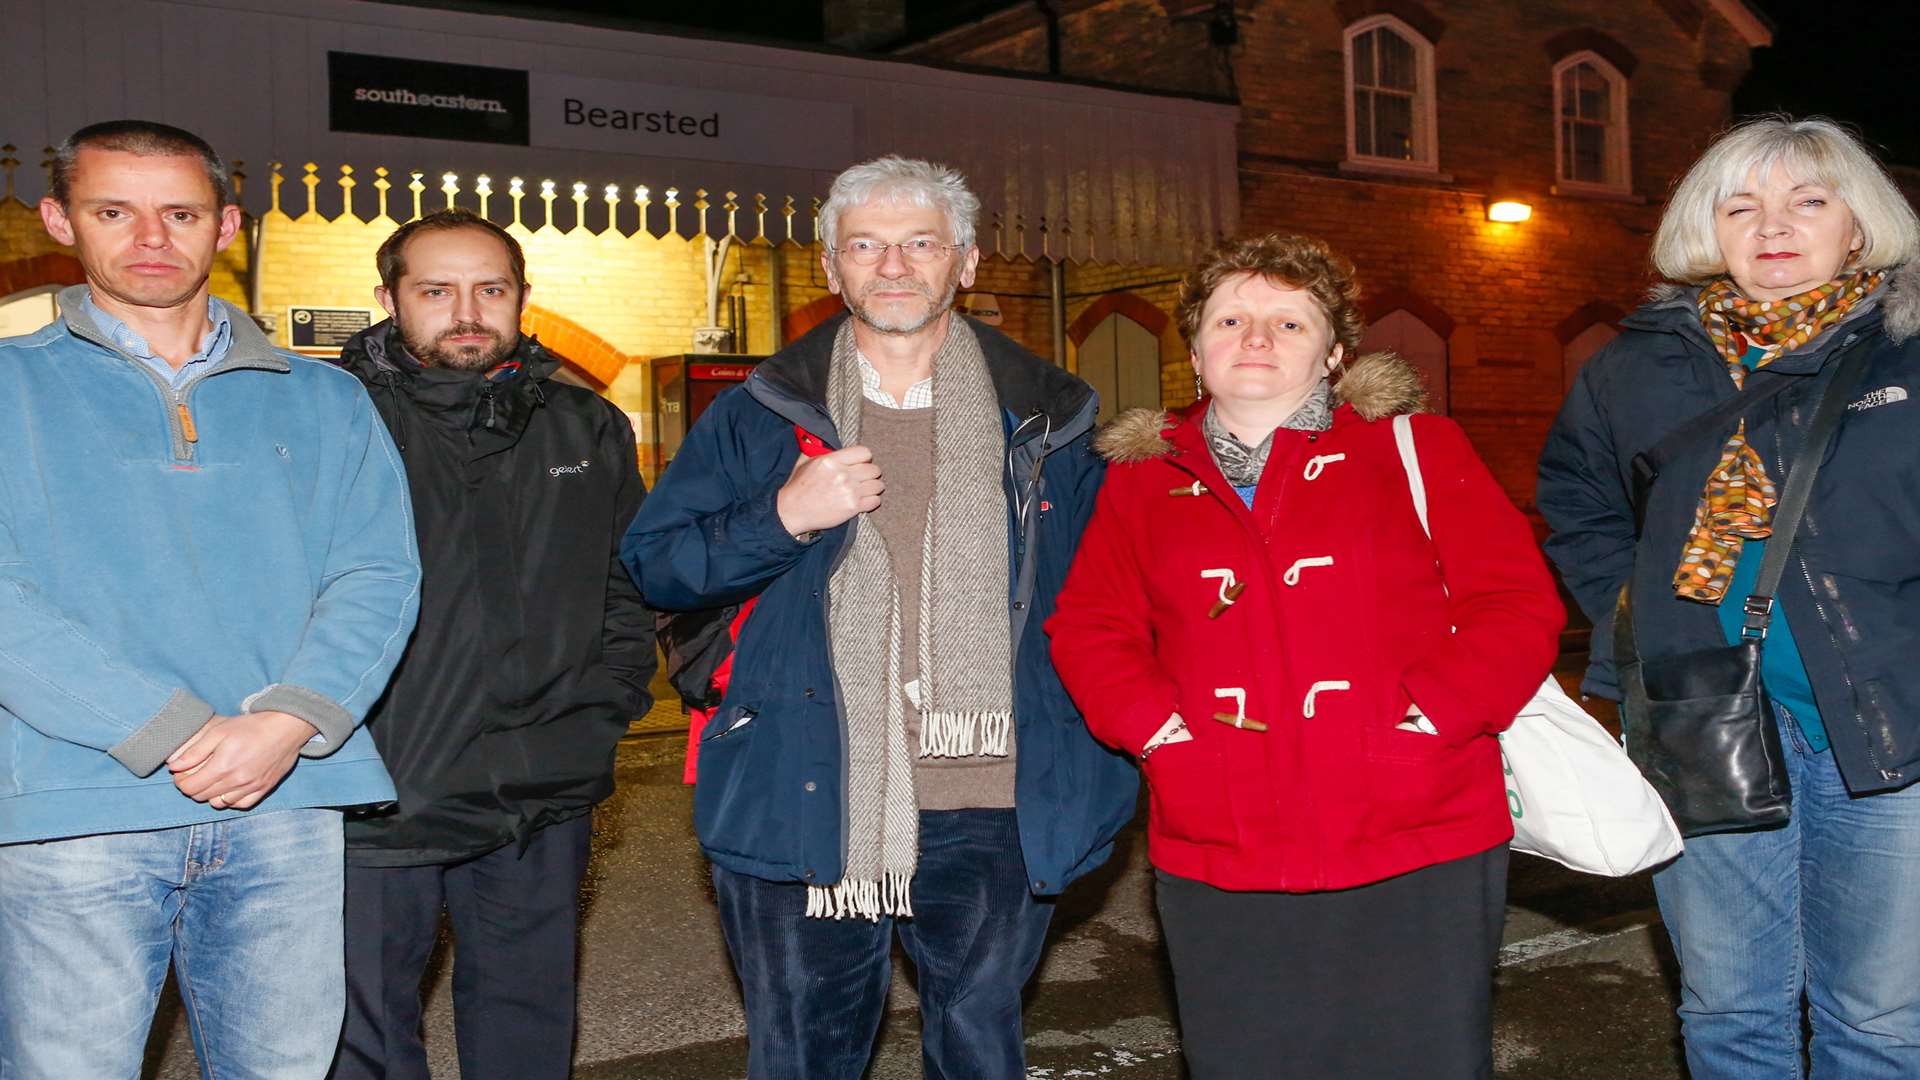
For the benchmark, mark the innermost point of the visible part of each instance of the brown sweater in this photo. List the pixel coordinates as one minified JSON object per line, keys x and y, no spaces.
{"x":902,"y":445}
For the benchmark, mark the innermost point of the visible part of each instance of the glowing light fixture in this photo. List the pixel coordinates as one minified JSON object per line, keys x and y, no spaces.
{"x":1509,"y":210}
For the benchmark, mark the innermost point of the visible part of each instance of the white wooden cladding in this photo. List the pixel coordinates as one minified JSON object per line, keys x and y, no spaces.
{"x":1070,"y":171}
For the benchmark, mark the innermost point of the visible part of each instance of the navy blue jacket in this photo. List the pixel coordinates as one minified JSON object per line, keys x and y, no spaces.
{"x":770,"y":799}
{"x":1852,"y":588}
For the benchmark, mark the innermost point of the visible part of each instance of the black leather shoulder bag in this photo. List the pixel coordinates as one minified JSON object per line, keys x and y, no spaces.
{"x":1699,"y":724}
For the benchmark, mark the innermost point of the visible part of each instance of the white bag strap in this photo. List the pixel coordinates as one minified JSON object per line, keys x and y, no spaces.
{"x":1409,"y":460}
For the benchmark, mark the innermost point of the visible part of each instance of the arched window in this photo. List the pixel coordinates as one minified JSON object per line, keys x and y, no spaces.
{"x":1390,"y":107}
{"x":1590,"y":124}
{"x":1121,"y":360}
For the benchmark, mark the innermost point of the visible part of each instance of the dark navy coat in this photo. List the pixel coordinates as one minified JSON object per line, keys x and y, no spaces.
{"x":1852,"y":587}
{"x":770,"y":800}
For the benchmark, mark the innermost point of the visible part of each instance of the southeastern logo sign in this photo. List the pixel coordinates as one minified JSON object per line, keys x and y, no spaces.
{"x":387,"y":95}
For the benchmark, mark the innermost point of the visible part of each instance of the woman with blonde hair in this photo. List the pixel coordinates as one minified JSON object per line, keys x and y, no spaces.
{"x":1312,"y":684}
{"x":1791,"y":252}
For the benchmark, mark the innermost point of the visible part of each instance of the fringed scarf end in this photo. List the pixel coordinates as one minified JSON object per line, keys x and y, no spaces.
{"x":966,"y":734}
{"x":891,"y":895}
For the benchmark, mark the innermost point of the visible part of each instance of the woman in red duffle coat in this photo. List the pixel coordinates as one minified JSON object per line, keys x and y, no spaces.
{"x":1312,"y":685}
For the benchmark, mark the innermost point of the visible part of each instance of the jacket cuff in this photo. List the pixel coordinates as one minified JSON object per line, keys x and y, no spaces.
{"x":1451,"y":716}
{"x":333,"y":722}
{"x":166,"y":731}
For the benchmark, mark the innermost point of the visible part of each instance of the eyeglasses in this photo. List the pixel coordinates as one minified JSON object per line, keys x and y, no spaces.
{"x":922,"y":249}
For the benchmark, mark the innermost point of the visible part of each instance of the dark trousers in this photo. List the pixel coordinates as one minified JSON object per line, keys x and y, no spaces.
{"x":514,"y":919}
{"x":1389,"y":980}
{"x":816,"y":989}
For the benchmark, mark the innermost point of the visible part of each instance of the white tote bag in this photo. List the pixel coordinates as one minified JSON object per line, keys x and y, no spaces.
{"x":1575,"y":796}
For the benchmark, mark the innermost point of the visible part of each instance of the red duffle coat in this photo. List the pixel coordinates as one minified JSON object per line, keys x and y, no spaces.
{"x":1342,"y":619}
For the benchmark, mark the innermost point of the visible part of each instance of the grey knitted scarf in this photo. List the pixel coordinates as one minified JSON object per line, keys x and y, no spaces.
{"x":1242,"y":464}
{"x":965,"y":691}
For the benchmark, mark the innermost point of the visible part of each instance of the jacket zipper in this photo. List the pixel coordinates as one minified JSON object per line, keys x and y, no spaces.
{"x":1806,"y":575}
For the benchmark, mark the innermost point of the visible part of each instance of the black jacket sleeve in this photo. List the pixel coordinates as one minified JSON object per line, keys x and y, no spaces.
{"x":1583,"y":492}
{"x":627,"y":642}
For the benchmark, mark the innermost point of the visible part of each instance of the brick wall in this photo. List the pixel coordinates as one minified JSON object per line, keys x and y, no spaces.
{"x":1505,"y":288}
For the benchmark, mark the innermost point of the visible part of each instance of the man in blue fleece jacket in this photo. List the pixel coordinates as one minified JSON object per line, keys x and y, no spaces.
{"x":207,"y":573}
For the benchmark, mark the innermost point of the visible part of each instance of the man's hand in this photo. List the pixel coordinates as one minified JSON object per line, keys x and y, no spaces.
{"x":827,"y":490}
{"x":234,"y":761}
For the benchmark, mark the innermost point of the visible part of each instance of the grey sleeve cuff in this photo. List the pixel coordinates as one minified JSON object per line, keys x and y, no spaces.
{"x":333,"y":723}
{"x":147,"y":748}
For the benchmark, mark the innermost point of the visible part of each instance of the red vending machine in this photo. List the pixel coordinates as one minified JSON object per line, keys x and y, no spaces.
{"x":683,"y":387}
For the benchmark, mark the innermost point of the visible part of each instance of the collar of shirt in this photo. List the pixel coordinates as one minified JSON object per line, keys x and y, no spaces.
{"x":919,"y":395}
{"x":213,"y":347}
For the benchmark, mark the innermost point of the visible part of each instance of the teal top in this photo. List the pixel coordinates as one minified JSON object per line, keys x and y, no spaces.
{"x":1781,"y":668}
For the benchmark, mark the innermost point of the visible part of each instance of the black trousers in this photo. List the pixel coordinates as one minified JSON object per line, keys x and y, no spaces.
{"x":1383,"y":982}
{"x":514,"y":922}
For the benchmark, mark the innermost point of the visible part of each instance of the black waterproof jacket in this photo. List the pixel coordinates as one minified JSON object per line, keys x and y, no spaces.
{"x":533,"y":650}
{"x":1852,"y":587}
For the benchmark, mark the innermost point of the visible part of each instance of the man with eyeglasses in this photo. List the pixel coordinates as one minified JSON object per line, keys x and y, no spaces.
{"x":901,"y":490}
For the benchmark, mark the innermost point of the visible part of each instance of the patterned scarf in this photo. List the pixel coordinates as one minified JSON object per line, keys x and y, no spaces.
{"x":1737,"y":505}
{"x":1242,"y":464}
{"x":966,"y":660}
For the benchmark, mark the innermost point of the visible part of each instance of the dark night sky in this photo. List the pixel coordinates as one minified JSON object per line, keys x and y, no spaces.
{"x":1852,"y":60}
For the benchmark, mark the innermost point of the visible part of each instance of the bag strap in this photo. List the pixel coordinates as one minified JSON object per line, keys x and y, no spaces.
{"x":1410,"y":461}
{"x":1646,"y":465}
{"x":1793,"y":500}
{"x":1792,"y":506}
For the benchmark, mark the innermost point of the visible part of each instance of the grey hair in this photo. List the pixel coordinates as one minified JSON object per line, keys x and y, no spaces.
{"x":1812,"y":151}
{"x":143,"y":138}
{"x":898,"y":180}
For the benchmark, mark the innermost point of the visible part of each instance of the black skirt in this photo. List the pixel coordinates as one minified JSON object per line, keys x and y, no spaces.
{"x":1388,"y":980}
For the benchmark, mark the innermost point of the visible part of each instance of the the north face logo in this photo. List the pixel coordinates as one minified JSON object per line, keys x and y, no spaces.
{"x":1886,"y":395}
{"x":568,"y":470}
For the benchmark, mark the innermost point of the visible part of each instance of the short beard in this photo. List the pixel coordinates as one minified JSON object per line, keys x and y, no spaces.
{"x":462,"y":357}
{"x":936,"y":307}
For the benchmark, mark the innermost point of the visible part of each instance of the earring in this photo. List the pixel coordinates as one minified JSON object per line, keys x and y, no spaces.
{"x":1199,"y":390}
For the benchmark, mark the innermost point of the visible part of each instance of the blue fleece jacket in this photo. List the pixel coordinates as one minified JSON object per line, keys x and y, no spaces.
{"x":242,"y":541}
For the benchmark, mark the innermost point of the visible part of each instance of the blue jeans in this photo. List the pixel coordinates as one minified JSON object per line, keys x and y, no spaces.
{"x":1828,"y":906}
{"x":246,"y":908}
{"x":816,"y":989}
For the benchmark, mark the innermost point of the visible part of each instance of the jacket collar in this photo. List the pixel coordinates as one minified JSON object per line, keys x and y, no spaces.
{"x":1376,"y":386}
{"x":1036,"y":394}
{"x":1894,"y":308}
{"x":249,"y":349}
{"x":493,"y":414}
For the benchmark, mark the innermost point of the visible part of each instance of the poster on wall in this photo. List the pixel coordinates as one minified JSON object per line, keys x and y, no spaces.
{"x":324,"y":331}
{"x":386,"y":95}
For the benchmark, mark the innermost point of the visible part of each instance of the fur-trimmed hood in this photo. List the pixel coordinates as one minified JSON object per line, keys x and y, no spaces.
{"x":1898,"y":301}
{"x":1378,"y":385}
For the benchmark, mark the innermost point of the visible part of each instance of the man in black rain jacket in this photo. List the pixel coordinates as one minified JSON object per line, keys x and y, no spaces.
{"x":532,"y":655}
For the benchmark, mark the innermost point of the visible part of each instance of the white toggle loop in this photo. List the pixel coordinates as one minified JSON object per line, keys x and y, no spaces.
{"x":1292,"y":576}
{"x":1319,"y":462}
{"x":1225,"y":574}
{"x":1239,"y":697}
{"x":1321,"y":687}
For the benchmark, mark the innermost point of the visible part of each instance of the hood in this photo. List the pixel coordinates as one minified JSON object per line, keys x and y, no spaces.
{"x":1898,"y":301}
{"x":1378,"y":385}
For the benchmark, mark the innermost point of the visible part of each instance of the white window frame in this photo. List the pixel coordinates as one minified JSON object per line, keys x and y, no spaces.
{"x":1426,"y":159}
{"x":1619,"y":159}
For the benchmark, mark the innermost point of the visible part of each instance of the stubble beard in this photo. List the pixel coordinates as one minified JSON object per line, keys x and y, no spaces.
{"x":936,"y":306}
{"x":436,"y":353}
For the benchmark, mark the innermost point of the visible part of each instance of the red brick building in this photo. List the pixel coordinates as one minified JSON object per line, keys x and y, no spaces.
{"x":1391,"y":126}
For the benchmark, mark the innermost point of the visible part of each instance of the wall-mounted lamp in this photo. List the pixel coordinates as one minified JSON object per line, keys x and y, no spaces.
{"x":1509,"y":210}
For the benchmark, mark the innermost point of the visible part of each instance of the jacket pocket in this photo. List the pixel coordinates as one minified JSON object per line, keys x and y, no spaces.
{"x":1382,"y":740}
{"x":728,"y":720}
{"x":1189,"y":787}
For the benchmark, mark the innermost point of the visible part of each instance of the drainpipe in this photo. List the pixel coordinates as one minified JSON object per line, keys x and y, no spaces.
{"x":776,"y":297}
{"x":1052,"y":15}
{"x":256,"y":233}
{"x":1057,"y":279}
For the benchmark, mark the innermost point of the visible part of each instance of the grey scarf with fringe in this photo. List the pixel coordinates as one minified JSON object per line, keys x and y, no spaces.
{"x":965,"y":688}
